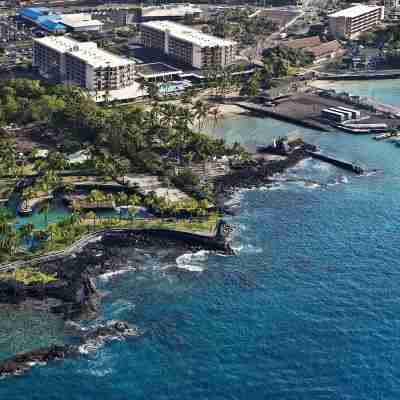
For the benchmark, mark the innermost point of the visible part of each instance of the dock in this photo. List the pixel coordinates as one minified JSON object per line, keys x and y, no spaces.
{"x":283,"y":116}
{"x":348,"y":166}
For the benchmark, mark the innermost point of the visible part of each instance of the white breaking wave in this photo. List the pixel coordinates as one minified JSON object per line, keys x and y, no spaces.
{"x":341,"y":180}
{"x":90,"y":347}
{"x":108,"y":275}
{"x":191,"y":261}
{"x":246,"y":248}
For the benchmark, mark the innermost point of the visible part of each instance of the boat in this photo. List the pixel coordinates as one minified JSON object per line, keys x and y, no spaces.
{"x":364,"y":128}
{"x":383,"y":136}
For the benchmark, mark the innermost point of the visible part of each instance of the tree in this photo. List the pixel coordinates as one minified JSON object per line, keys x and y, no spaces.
{"x":45,"y":211}
{"x":252,"y":86}
{"x":92,"y":216}
{"x":216,"y":116}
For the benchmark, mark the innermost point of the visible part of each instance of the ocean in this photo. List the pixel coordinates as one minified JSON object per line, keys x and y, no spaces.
{"x":309,"y":308}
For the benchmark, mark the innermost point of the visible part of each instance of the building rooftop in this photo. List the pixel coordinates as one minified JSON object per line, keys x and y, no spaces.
{"x":170,"y":11}
{"x":304,"y":42}
{"x":85,"y":51}
{"x":355,"y":11}
{"x":325,"y":48}
{"x":80,"y":20}
{"x":35,"y":12}
{"x":187,"y":34}
{"x":156,"y":69}
{"x":100,"y":58}
{"x":62,"y":44}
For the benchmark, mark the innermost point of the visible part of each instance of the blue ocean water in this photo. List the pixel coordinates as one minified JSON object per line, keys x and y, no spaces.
{"x":308,"y":309}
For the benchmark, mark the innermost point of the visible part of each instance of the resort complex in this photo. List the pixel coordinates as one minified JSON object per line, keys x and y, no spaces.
{"x":215,"y":184}
{"x":188,"y":45}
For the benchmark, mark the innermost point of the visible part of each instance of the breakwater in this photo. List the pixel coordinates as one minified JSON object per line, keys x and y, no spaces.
{"x":348,"y":166}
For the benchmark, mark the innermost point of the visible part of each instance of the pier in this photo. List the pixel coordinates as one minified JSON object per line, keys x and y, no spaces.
{"x":348,"y":166}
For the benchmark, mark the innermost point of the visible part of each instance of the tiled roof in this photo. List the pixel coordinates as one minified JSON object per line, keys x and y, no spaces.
{"x":304,"y":42}
{"x":325,"y":48}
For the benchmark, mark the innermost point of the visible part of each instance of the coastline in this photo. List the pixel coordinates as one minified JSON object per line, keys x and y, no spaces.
{"x":323,"y":84}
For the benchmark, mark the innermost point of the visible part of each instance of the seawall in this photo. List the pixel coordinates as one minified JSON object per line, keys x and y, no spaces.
{"x":211,"y":242}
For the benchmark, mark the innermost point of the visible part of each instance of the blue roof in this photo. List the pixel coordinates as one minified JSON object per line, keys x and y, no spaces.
{"x":32,"y":13}
{"x":35,"y":13}
{"x":51,"y":25}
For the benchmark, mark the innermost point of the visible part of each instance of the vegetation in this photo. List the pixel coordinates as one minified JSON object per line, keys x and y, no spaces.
{"x":234,"y":23}
{"x":28,"y":276}
{"x":146,"y":140}
{"x":388,"y":41}
{"x":281,"y":61}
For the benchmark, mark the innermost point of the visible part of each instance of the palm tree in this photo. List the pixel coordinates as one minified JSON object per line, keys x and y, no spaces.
{"x":169,"y":114}
{"x":185,"y":118}
{"x":216,"y":116}
{"x":201,"y":112}
{"x":92,"y":216}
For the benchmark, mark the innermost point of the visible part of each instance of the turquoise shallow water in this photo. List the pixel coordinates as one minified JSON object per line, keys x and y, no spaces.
{"x":309,"y":308}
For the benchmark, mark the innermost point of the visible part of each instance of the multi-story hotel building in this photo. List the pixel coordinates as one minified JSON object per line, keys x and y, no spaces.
{"x":83,"y":64}
{"x":188,"y":45}
{"x":349,"y":23}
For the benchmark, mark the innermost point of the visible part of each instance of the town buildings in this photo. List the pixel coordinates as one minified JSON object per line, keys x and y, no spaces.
{"x":97,"y":71}
{"x":350,"y":22}
{"x":188,"y":45}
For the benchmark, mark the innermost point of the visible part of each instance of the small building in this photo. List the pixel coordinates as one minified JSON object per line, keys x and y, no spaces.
{"x":303,"y":43}
{"x":81,"y":22}
{"x":325,"y":51}
{"x":332,"y":115}
{"x":79,"y":157}
{"x":355,"y":114}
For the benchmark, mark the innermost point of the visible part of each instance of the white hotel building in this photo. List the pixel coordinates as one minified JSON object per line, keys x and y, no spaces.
{"x":85,"y":65}
{"x":188,"y":45}
{"x":350,"y":22}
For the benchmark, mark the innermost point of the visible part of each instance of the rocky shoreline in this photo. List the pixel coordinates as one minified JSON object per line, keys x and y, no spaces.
{"x":21,"y":363}
{"x":259,"y":171}
{"x":74,"y":295}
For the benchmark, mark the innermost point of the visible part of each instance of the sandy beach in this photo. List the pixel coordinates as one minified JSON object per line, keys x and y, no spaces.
{"x":322,"y":84}
{"x":229,"y":110}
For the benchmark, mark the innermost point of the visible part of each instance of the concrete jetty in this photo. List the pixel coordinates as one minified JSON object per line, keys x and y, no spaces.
{"x":336,"y":161}
{"x":283,"y":116}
